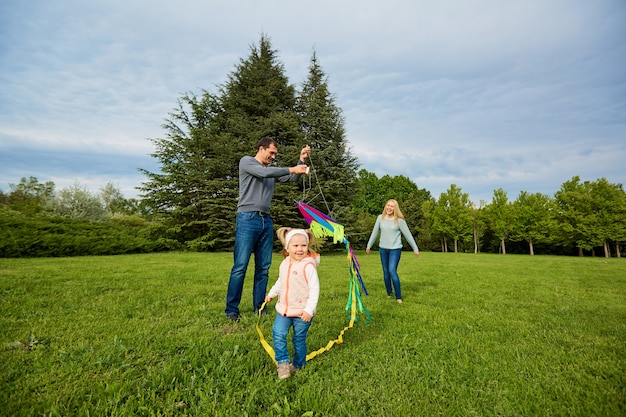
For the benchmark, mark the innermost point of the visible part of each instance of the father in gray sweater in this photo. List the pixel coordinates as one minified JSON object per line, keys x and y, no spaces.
{"x":254,"y":232}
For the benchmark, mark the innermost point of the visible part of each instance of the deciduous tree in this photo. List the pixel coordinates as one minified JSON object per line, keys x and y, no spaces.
{"x":453,"y":216}
{"x":533,"y":219}
{"x":500,"y":216}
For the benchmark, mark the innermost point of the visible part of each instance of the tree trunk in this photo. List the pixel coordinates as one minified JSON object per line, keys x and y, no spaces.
{"x":530,"y":246}
{"x":617,"y":251}
{"x":580,"y":251}
{"x":456,"y":245}
{"x":475,"y":238}
{"x":503,"y":247}
{"x":607,"y":250}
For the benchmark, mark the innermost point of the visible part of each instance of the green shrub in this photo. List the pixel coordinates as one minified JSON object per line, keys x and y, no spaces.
{"x":38,"y":235}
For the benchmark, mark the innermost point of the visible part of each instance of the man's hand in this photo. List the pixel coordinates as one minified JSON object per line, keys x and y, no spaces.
{"x":305,"y":152}
{"x":298,"y":169}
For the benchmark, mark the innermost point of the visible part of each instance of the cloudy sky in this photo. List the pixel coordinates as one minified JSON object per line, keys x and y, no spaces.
{"x":484,"y":94}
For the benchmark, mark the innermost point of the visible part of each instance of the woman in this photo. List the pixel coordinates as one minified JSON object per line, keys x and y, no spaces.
{"x":391,"y":225}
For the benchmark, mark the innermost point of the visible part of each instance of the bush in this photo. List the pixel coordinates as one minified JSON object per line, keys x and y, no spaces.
{"x":37,"y":235}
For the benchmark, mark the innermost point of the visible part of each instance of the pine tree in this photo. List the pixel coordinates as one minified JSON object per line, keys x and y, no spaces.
{"x":258,"y":101}
{"x":334,"y":166}
{"x":196,"y":192}
{"x":331,"y":186}
{"x":189,"y":186}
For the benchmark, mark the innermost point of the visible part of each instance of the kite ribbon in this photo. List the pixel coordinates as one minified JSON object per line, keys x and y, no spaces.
{"x":330,"y":344}
{"x":323,"y":226}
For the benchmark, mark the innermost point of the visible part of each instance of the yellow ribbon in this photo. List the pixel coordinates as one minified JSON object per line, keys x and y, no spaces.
{"x":330,"y":344}
{"x":268,"y":348}
{"x":354,"y":303}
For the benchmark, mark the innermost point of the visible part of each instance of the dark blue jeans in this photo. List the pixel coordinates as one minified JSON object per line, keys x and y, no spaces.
{"x":390,"y":258}
{"x":253,"y":234}
{"x":279,"y":336}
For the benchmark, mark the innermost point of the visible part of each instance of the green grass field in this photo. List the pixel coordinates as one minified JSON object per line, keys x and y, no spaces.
{"x":477,"y":335}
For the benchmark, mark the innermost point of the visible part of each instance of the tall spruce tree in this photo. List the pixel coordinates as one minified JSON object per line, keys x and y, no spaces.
{"x":196,"y":192}
{"x":333,"y":179}
{"x":190,"y":162}
{"x":332,"y":184}
{"x":258,"y":101}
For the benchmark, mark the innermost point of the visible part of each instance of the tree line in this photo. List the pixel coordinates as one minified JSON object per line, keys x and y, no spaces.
{"x":191,"y":203}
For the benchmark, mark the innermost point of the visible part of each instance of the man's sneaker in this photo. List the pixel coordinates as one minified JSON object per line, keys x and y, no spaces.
{"x":263,"y":312}
{"x":233,"y":316}
{"x":284,"y":370}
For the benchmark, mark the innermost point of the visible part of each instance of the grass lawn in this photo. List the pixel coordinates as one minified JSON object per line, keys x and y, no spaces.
{"x":477,"y":335}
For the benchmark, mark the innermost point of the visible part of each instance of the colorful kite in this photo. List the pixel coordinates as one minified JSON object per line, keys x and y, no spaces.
{"x":323,"y":226}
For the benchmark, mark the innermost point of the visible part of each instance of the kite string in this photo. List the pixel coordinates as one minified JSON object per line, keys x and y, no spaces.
{"x":319,"y":186}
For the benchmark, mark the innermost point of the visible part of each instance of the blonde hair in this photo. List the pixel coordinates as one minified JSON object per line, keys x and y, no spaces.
{"x":282,"y":236}
{"x":397,"y":213}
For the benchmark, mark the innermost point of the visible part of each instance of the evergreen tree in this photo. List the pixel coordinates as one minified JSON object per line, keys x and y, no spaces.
{"x":189,"y":184}
{"x":198,"y":189}
{"x":258,"y":101}
{"x":334,"y":167}
{"x":196,"y":192}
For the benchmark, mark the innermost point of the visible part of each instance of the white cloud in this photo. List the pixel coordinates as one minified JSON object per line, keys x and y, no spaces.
{"x":482,"y":94}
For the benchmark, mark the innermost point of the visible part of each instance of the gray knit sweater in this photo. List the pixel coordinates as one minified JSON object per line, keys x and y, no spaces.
{"x":256,"y":184}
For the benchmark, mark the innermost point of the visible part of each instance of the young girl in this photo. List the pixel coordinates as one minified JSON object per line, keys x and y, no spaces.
{"x":392,"y":226}
{"x":298,"y":290}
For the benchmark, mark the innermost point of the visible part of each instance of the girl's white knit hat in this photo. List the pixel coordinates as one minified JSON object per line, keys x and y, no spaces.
{"x":294,"y":232}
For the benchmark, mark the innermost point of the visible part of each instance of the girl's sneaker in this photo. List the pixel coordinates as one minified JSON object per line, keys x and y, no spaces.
{"x":284,"y":370}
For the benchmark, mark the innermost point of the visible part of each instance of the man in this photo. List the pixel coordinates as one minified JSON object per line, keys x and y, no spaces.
{"x":254,"y":231}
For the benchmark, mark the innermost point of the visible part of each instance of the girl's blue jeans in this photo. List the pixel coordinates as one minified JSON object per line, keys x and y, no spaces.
{"x":280,"y":331}
{"x":390,"y":258}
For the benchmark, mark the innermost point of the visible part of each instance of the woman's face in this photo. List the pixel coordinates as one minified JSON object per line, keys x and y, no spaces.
{"x":390,"y":207}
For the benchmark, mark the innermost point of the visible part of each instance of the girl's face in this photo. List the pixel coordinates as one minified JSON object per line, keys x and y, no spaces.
{"x":390,"y":207}
{"x":298,"y":248}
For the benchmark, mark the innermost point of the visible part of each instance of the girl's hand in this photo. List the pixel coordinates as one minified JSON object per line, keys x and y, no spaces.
{"x":306,"y":316}
{"x":268,"y":299}
{"x":417,"y":254}
{"x":367,"y":250}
